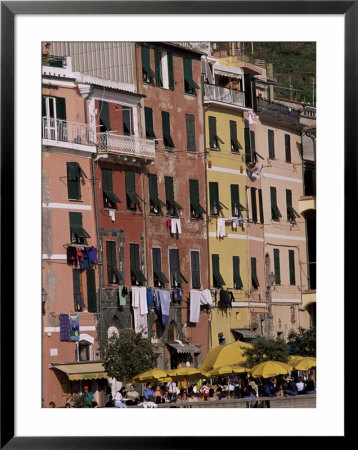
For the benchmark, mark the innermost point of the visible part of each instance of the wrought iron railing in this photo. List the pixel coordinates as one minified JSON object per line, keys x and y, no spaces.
{"x":71,"y":132}
{"x":277,"y":111}
{"x":126,"y":145}
{"x":223,"y":95}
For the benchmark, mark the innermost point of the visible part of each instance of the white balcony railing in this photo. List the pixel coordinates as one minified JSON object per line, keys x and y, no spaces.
{"x":71,"y":132}
{"x":126,"y":145}
{"x":223,"y":95}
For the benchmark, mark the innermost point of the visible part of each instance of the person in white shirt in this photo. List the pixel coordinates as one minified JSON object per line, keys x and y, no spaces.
{"x":300,"y":385}
{"x":118,"y":398}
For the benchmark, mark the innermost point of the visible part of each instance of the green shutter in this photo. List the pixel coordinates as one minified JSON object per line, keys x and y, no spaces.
{"x":149,"y":128}
{"x":127,"y":120}
{"x":153,"y":187}
{"x":44,"y":106}
{"x":107,"y":183}
{"x":188,"y":75}
{"x":235,"y":200}
{"x":194,"y":193}
{"x":247,"y":145}
{"x":252,"y":144}
{"x":168,"y":142}
{"x":212,"y":132}
{"x":170,"y":71}
{"x":254,"y":279}
{"x":169,"y":190}
{"x":262,"y":220}
{"x":218,"y":280}
{"x":288,"y":147}
{"x":275,"y":212}
{"x":288,"y":198}
{"x":104,"y":116}
{"x":91,"y":290}
{"x":134,"y":256}
{"x":190,"y":132}
{"x":73,"y":181}
{"x":147,"y":71}
{"x":75,"y":219}
{"x":132,"y":198}
{"x":236,"y":272}
{"x":253,"y":205}
{"x":214,"y":197}
{"x":271,"y":144}
{"x":276,"y":258}
{"x":195,"y":269}
{"x":291,"y":259}
{"x":112,"y":271}
{"x":158,"y":74}
{"x":60,"y":108}
{"x":235,"y":145}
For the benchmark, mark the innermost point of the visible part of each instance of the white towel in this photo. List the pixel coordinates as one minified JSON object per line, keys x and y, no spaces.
{"x":195,"y":297}
{"x":251,"y":118}
{"x":112,"y":214}
{"x":139,"y":299}
{"x":140,"y":322}
{"x":220,"y":230}
{"x":176,"y":226}
{"x":205,"y":298}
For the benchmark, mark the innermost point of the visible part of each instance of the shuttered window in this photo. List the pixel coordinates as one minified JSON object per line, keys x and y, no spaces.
{"x":195,"y":269}
{"x":147,"y":72}
{"x":262,"y":219}
{"x":170,"y":71}
{"x":275,"y":212}
{"x":168,"y":141}
{"x":110,"y":199}
{"x":236,"y":272}
{"x":155,"y":203}
{"x":254,"y":279}
{"x":91,"y":290}
{"x":171,"y":204}
{"x":127,"y":120}
{"x":104,"y":116}
{"x":291,"y":260}
{"x":271,"y":144}
{"x":77,"y":290}
{"x":248,"y":156}
{"x":113,"y":274}
{"x":54,"y":118}
{"x":149,"y":128}
{"x":73,"y":181}
{"x":158,"y":68}
{"x":236,"y":206}
{"x":158,"y":276}
{"x":196,"y":210}
{"x":276,"y":260}
{"x":190,"y":132}
{"x":137,"y":274}
{"x":218,"y":280}
{"x":235,"y":144}
{"x":176,"y":277}
{"x":292,"y":214}
{"x":189,"y":83}
{"x":78,"y":233}
{"x":253,"y":205}
{"x":288,"y":148}
{"x":214,"y":140}
{"x":132,"y":198}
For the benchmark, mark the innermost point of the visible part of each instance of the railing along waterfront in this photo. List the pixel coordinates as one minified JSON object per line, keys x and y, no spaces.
{"x":277,"y":111}
{"x":223,"y":95}
{"x":126,"y":145}
{"x":71,"y":132}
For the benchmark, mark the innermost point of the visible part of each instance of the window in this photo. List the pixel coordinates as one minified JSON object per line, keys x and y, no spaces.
{"x":271,"y":144}
{"x":172,"y":206}
{"x":155,"y":204}
{"x":214,"y":140}
{"x":158,"y":276}
{"x":127,"y":121}
{"x":235,"y":144}
{"x":91,"y":290}
{"x":176,"y":277}
{"x":250,"y":146}
{"x":218,"y":280}
{"x":104,"y":120}
{"x":291,"y":213}
{"x":253,"y":205}
{"x":190,"y":132}
{"x":147,"y":73}
{"x":236,"y":206}
{"x":276,"y":261}
{"x":77,"y":291}
{"x":164,"y":69}
{"x":110,"y":199}
{"x":73,"y":181}
{"x":275,"y":212}
{"x":113,"y":275}
{"x":54,"y":125}
{"x":291,"y":260}
{"x":288,"y":148}
{"x":195,"y":269}
{"x":254,"y":279}
{"x":85,"y":351}
{"x":149,"y":128}
{"x":168,"y":141}
{"x":78,"y":233}
{"x":132,"y":198}
{"x":262,"y":220}
{"x":196,"y":210}
{"x":137,"y":276}
{"x":236,"y":272}
{"x":189,"y":83}
{"x":215,"y":204}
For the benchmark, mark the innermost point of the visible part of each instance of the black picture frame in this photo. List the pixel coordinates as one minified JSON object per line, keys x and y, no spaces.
{"x":9,"y":10}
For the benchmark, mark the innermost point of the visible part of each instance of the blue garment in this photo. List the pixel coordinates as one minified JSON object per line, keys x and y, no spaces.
{"x":289,"y":392}
{"x":120,"y":405}
{"x":164,"y":305}
{"x":147,"y":393}
{"x":157,"y":299}
{"x":150,"y":299}
{"x":270,"y":390}
{"x":177,"y":295}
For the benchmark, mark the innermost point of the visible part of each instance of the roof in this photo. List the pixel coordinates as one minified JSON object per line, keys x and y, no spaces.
{"x":246,"y":332}
{"x":82,"y":370}
{"x":184,"y":348}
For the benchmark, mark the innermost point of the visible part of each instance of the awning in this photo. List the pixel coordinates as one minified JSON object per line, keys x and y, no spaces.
{"x":184,"y":348}
{"x":82,"y":371}
{"x":245,"y":332}
{"x":228,"y":71}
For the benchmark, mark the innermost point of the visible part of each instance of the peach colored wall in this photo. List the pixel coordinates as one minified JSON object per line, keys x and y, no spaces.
{"x":75,"y":111}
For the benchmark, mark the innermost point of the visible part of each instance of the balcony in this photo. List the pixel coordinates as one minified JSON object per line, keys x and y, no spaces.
{"x":121,"y":145}
{"x":68,"y":134}
{"x":213,"y":92}
{"x":275,"y":111}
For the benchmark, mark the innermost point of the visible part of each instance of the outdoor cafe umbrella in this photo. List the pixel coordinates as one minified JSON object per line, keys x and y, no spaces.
{"x":268,"y":369}
{"x":185,"y":373}
{"x":227,"y":370}
{"x":151,"y":375}
{"x":304,"y":363}
{"x":222,"y":355}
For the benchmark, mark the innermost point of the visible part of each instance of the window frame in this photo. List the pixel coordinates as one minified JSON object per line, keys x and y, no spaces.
{"x":159,"y":279}
{"x":196,"y":271}
{"x":189,"y":84}
{"x":218,"y":280}
{"x":112,"y":269}
{"x":176,"y":276}
{"x":196,"y":210}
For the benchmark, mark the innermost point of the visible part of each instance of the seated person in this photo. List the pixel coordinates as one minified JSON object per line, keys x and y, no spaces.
{"x":132,"y":396}
{"x":290,"y":388}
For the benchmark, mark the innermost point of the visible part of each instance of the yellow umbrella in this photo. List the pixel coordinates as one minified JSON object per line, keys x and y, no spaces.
{"x":223,"y":355}
{"x":304,"y":363}
{"x":185,"y":373}
{"x":149,"y":375}
{"x":226,"y":370}
{"x":268,"y":369}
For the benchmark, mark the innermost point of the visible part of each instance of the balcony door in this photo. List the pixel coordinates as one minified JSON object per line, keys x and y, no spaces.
{"x":54,"y":125}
